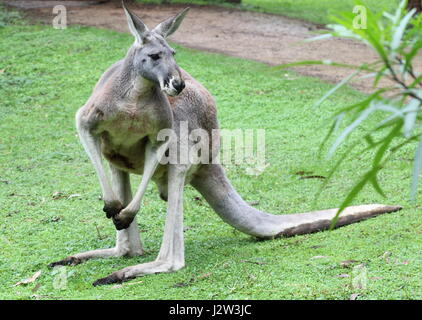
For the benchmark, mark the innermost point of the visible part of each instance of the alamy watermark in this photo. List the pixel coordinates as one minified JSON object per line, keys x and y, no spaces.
{"x":359,"y":277}
{"x":220,"y":146}
{"x":61,"y":275}
{"x":60,"y":19}
{"x":360,"y":19}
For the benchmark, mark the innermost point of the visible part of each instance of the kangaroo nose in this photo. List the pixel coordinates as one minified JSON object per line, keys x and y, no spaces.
{"x":179,"y":85}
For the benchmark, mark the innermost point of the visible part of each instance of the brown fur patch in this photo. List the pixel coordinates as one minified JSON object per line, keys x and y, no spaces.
{"x":119,"y":160}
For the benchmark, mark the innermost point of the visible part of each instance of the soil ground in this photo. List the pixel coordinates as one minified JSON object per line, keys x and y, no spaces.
{"x":267,"y":38}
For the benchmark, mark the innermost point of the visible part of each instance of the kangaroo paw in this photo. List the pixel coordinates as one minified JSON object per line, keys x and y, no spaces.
{"x":122,"y":222}
{"x":112,"y":209}
{"x":69,"y":261}
{"x":112,"y":278}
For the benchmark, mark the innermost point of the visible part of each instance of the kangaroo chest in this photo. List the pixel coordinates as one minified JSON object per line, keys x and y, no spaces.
{"x":125,"y":133}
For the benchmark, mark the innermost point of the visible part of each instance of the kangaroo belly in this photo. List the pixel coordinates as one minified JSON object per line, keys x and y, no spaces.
{"x":128,"y":156}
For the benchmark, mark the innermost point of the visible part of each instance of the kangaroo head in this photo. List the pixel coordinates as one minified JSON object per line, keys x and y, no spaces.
{"x":153,"y":57}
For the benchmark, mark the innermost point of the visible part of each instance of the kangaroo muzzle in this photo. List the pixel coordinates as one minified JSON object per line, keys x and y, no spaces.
{"x":172,"y":86}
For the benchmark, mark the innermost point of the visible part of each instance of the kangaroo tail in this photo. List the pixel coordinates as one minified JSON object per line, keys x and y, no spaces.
{"x":213,"y":184}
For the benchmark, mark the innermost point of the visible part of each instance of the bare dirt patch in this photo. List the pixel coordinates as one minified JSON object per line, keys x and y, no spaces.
{"x":267,"y":38}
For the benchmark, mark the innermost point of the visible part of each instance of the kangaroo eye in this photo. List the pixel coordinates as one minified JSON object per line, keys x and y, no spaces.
{"x":154,"y":56}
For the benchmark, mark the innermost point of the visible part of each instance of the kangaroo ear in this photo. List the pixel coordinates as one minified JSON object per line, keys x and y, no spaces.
{"x":136,"y":26}
{"x":169,"y":26}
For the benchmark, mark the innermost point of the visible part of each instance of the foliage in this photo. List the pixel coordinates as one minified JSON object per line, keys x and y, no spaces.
{"x":396,"y":39}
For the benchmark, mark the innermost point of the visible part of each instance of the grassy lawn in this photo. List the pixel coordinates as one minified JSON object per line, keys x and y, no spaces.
{"x":316,"y":11}
{"x":49,"y":193}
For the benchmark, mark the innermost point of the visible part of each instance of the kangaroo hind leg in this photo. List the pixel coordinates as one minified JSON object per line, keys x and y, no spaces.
{"x":128,"y":242}
{"x":171,"y":256}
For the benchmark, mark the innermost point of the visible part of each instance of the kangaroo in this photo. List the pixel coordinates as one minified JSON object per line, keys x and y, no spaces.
{"x":132,"y":102}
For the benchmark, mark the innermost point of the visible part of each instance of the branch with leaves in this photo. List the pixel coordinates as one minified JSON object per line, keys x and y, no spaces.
{"x":396,"y":38}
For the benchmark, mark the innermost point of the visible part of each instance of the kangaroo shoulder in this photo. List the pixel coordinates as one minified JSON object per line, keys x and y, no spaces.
{"x":108,"y":75}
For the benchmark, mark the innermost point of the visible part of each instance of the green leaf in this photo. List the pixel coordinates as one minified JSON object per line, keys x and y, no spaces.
{"x":333,"y":128}
{"x":411,"y":112}
{"x":414,"y":49}
{"x":385,"y":144}
{"x":376,"y":185}
{"x":379,"y":75}
{"x":370,"y":176}
{"x":346,"y":132}
{"x":351,"y":195}
{"x":334,"y":169}
{"x":335,"y":88}
{"x":359,"y":106}
{"x":398,"y":34}
{"x":388,"y":16}
{"x":370,"y":141}
{"x":416,"y":81}
{"x":399,"y":12}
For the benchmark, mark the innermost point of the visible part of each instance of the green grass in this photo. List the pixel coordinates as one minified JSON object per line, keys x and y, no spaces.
{"x":47,"y":74}
{"x":316,"y":11}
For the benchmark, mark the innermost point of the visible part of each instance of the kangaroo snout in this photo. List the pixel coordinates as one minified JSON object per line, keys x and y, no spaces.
{"x":173,"y":86}
{"x":179,"y":85}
